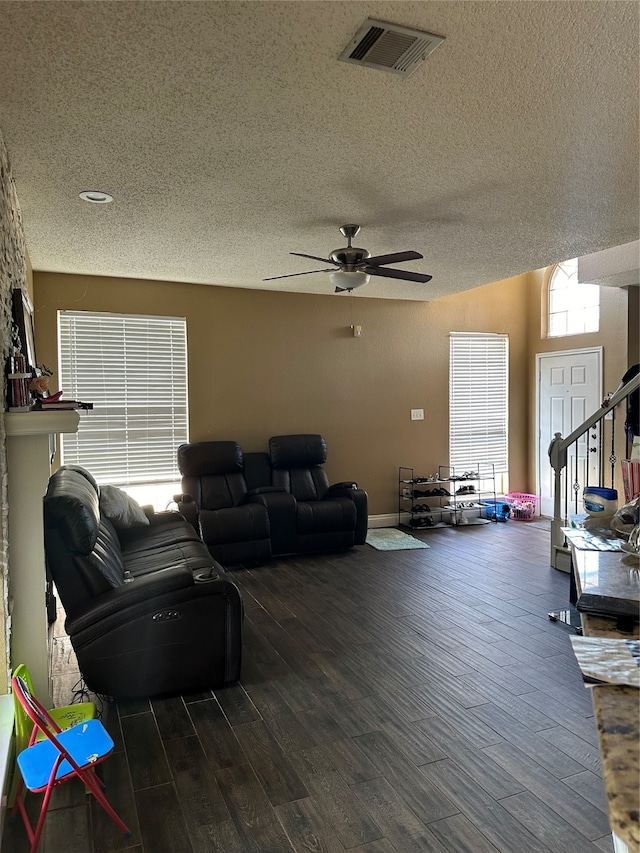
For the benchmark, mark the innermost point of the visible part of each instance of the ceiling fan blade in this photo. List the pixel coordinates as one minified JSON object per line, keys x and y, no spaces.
{"x":314,"y":258}
{"x":394,"y":258}
{"x":405,"y":275}
{"x":291,"y":274}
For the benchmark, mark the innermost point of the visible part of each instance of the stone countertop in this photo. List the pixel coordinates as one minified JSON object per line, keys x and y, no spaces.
{"x":617,"y":711}
{"x":607,"y":579}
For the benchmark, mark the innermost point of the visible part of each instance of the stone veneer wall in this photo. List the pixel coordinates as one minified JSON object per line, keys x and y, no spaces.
{"x":13,"y":273}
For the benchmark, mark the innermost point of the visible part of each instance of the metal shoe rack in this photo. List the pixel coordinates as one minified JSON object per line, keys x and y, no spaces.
{"x":450,"y":498}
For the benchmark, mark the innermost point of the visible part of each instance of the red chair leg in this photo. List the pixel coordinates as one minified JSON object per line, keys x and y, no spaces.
{"x":95,"y":786}
{"x":34,"y":834}
{"x":41,"y":819}
{"x":19,"y":805}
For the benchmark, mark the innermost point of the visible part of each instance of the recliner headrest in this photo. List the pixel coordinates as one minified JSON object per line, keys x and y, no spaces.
{"x":72,"y":506}
{"x":85,"y":474}
{"x":200,"y":458}
{"x":297,"y":451}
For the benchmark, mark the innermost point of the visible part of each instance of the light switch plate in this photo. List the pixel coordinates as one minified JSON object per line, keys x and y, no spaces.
{"x":417,"y":414}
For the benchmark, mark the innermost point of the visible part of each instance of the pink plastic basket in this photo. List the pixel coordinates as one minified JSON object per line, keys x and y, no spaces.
{"x":523,"y":506}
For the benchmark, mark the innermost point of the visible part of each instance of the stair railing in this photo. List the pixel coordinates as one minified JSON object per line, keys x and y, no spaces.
{"x":558,"y":459}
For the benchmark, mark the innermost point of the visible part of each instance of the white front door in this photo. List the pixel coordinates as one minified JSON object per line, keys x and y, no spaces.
{"x":569,"y":390}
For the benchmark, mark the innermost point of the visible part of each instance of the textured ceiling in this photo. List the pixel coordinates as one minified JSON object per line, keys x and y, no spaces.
{"x":229,"y":135}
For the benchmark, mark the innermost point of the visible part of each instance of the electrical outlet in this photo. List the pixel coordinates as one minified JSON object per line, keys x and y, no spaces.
{"x":417,"y":414}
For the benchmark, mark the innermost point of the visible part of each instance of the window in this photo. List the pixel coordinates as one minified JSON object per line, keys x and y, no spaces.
{"x":574,"y":308}
{"x":478,"y":401}
{"x":134,"y":371}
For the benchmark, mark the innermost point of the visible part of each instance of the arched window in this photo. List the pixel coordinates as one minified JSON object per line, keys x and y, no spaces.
{"x":574,"y":308}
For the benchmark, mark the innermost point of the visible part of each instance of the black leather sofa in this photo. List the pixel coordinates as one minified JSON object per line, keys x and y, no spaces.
{"x":252,"y":506}
{"x":148,"y":611}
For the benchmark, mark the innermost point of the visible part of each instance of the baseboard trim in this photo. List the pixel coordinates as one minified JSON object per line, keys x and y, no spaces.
{"x":389,"y":519}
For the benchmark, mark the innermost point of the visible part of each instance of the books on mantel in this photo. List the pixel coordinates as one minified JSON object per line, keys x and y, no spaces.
{"x":42,"y":405}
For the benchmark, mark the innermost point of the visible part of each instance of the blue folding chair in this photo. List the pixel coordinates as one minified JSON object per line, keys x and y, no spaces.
{"x":58,"y":757}
{"x":65,"y":717}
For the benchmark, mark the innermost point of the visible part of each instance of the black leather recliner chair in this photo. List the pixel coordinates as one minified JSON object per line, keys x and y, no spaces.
{"x":215,"y":500}
{"x":309,"y":514}
{"x":148,"y":611}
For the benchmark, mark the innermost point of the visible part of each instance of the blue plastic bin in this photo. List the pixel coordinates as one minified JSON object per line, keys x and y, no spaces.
{"x":496,"y":509}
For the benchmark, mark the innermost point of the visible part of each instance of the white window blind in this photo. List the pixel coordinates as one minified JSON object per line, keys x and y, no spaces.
{"x":134,"y":371}
{"x":478,"y":400}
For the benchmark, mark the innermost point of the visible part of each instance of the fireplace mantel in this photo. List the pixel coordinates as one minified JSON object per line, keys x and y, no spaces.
{"x":30,"y":442}
{"x":40,"y":423}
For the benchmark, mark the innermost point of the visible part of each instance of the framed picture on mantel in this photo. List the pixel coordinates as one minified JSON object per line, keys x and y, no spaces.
{"x":23,"y":319}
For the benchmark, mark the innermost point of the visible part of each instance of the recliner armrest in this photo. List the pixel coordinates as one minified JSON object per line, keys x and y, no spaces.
{"x":281,"y":507}
{"x":341,"y":487}
{"x":189,"y":509}
{"x":361,"y":500}
{"x":142,"y":588}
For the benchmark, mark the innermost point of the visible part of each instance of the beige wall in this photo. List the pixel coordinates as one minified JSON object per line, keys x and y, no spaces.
{"x":264,"y":363}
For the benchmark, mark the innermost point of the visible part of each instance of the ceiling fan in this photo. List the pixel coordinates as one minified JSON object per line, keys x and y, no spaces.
{"x":352,"y":266}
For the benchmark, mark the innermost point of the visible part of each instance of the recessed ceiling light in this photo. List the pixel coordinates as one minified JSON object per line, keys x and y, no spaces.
{"x":96,"y":197}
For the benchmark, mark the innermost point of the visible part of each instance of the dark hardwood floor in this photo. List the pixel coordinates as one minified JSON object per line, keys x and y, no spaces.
{"x":390,"y":701}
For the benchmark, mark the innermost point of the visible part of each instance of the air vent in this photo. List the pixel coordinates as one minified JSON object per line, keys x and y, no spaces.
{"x":390,"y":47}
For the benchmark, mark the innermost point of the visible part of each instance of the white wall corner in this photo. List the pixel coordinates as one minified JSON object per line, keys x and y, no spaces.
{"x":615,"y":267}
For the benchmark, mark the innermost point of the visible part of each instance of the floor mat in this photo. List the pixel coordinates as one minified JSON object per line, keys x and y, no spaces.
{"x":392,"y":539}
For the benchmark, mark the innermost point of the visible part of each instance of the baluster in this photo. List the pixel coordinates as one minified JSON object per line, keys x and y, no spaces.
{"x":600,"y":453}
{"x":592,"y":436}
{"x":612,"y":456}
{"x":576,"y":481}
{"x":566,"y":494}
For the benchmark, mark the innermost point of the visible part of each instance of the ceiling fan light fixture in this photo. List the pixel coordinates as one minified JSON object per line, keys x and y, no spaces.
{"x":349,"y":280}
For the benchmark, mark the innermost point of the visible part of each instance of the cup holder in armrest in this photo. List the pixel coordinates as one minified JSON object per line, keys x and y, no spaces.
{"x":206,"y":576}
